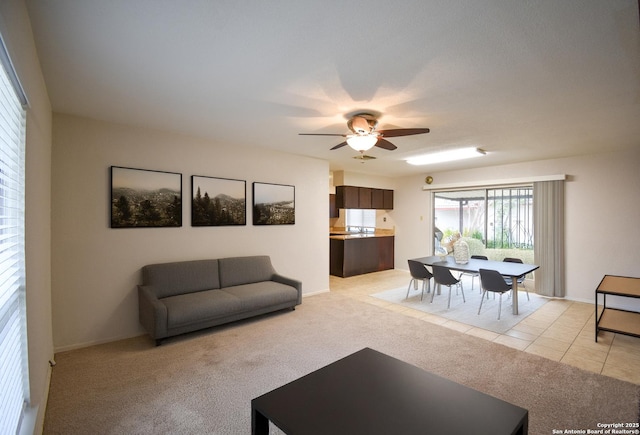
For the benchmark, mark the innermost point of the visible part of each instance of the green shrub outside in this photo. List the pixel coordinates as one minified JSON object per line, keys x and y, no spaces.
{"x":526,"y":255}
{"x":476,"y":247}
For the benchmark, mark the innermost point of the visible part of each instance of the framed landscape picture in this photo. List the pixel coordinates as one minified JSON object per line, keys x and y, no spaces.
{"x":274,"y":204}
{"x":141,"y":198}
{"x":218,"y":201}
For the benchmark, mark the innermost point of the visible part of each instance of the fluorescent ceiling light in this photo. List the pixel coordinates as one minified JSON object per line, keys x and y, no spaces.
{"x":446,"y":156}
{"x":362,"y":142}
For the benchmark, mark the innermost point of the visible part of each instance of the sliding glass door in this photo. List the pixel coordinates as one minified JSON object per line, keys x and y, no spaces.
{"x":460,"y":212}
{"x":495,"y":222}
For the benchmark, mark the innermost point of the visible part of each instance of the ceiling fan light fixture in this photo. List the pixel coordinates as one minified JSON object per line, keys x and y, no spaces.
{"x":362,"y":142}
{"x":364,"y":136}
{"x":446,"y":156}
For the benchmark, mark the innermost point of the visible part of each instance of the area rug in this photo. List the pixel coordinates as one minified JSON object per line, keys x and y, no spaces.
{"x":467,"y":312}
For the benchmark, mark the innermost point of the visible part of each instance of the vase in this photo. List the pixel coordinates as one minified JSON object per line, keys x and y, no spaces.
{"x":461,"y":252}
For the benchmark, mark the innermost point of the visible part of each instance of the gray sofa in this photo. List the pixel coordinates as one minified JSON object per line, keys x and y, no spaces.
{"x":176,"y":298}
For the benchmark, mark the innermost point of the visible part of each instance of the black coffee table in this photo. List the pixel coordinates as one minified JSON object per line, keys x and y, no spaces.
{"x":370,"y":393}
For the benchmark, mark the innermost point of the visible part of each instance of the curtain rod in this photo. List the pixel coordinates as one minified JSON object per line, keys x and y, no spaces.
{"x":501,"y":182}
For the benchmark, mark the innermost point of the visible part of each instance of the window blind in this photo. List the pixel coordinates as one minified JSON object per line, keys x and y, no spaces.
{"x":14,"y":383}
{"x":356,"y":217}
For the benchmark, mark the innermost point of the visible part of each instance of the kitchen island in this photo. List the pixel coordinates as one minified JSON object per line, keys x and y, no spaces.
{"x":359,"y":253}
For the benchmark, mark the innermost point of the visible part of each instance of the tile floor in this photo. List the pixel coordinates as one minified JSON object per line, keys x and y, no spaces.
{"x":560,"y":330}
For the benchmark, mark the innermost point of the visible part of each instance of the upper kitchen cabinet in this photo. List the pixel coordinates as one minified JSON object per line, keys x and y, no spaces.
{"x":364,"y":197}
{"x":347,"y":197}
{"x":387,"y":203}
{"x":333,"y":210}
{"x":377,"y":199}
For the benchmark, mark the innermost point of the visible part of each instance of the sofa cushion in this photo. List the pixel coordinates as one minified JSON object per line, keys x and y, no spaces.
{"x":169,"y":279}
{"x":263,"y":294}
{"x":200,"y":306}
{"x":245,"y":270}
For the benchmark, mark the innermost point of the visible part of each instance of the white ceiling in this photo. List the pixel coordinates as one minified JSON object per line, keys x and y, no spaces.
{"x":524,"y":80}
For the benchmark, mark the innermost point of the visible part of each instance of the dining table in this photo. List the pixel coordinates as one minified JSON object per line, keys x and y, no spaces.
{"x":513,"y":270}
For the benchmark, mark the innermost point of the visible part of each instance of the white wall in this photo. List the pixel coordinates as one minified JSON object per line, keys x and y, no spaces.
{"x":342,"y":178}
{"x":96,"y":268}
{"x":16,"y":31}
{"x":602,"y":212}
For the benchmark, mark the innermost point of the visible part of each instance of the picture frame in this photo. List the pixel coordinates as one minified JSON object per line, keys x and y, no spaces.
{"x":144,"y":198}
{"x":274,"y":204}
{"x":218,"y":201}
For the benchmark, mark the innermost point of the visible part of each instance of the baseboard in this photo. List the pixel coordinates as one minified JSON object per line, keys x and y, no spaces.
{"x":94,"y":343}
{"x":304,"y":295}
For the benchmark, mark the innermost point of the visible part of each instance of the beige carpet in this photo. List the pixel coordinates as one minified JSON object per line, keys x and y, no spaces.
{"x":203,"y":383}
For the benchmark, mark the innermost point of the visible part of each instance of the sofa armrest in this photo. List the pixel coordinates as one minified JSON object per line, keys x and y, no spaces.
{"x":152,"y":312}
{"x":289,"y":281}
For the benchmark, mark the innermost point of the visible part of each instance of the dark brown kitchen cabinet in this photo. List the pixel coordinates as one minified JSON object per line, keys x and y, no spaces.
{"x":333,"y":210}
{"x":360,"y":255}
{"x":377,"y":199}
{"x":364,"y":197}
{"x":347,"y":197}
{"x":387,"y":202}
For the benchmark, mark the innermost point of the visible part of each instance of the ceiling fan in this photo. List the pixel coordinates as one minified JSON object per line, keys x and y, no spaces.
{"x":364,"y":135}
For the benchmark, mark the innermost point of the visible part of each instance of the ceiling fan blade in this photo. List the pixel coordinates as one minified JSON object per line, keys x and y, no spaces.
{"x":321,"y":134}
{"x":340,"y":145}
{"x":395,"y":132}
{"x":383,"y":143}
